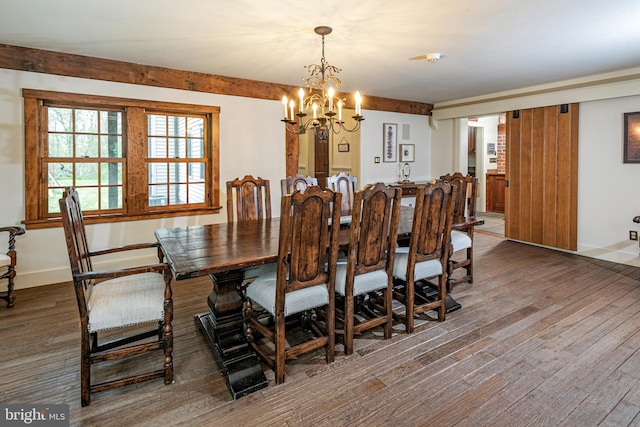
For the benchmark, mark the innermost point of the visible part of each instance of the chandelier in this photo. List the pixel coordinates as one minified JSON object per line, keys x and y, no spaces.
{"x":321,"y":101}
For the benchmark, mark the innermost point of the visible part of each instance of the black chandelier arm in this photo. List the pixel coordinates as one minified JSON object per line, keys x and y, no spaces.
{"x":323,"y":125}
{"x":357,"y":119}
{"x":302,"y":127}
{"x":289,"y":126}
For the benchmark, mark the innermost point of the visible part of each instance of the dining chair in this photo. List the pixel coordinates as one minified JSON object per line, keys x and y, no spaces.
{"x":248,"y":199}
{"x":345,"y":184}
{"x":297,"y":182}
{"x":364,"y":281}
{"x":303,"y":283}
{"x":462,"y":236}
{"x":117,"y":303}
{"x":8,"y":262}
{"x":420,"y":269}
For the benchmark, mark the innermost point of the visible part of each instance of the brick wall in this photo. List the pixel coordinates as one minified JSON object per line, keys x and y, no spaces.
{"x":502,"y":143}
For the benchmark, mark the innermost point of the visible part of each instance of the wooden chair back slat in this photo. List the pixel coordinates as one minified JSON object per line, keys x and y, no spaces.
{"x":249,"y":198}
{"x":346,"y":185}
{"x":77,"y":246}
{"x":433,"y":219}
{"x":298,"y":182}
{"x":374,"y":225}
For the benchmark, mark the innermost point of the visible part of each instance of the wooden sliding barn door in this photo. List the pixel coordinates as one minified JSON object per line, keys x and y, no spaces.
{"x":542,"y":176}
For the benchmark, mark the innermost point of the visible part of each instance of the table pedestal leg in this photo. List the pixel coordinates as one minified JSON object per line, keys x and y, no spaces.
{"x":223,"y":329}
{"x":452,"y":305}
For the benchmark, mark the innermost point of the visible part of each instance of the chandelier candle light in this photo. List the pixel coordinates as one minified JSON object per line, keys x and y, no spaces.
{"x":320,"y":101}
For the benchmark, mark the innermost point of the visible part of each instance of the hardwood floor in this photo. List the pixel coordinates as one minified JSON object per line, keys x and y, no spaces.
{"x":543,"y":338}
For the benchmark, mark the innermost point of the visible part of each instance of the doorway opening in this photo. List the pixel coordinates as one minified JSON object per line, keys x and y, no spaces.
{"x":341,"y":153}
{"x":486,"y":156}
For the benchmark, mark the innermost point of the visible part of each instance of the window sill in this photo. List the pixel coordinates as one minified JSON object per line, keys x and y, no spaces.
{"x":103,"y":219}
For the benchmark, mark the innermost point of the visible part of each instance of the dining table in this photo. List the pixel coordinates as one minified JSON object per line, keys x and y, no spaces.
{"x":227,"y":253}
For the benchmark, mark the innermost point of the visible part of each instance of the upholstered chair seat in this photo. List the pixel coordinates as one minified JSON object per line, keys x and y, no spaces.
{"x":460,"y":240}
{"x":422,"y":270}
{"x":126,"y":301}
{"x":362,"y":283}
{"x":262,"y":291}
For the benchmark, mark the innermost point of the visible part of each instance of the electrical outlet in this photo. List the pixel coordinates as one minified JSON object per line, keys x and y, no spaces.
{"x":633,"y":235}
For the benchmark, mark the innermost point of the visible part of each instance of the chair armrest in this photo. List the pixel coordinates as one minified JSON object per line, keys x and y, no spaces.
{"x":13,"y":230}
{"x":466,"y":223}
{"x":111,"y":274}
{"x":124,"y":248}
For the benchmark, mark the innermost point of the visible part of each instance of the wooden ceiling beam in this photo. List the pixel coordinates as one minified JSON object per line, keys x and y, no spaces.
{"x":71,"y":65}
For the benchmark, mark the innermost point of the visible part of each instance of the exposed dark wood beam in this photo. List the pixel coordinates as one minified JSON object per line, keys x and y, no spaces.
{"x":71,"y":65}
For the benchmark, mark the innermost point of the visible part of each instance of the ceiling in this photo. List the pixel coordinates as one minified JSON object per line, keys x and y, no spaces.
{"x":488,"y":46}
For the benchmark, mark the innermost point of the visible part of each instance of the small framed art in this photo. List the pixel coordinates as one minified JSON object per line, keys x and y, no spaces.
{"x":407,"y":152}
{"x":389,"y":141}
{"x":632,"y":137}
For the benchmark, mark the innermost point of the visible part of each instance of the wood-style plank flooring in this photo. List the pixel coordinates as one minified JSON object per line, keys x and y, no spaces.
{"x":544,"y":338}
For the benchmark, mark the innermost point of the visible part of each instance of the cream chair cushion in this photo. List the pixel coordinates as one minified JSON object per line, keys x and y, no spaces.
{"x":126,"y":301}
{"x":460,"y":240}
{"x":362,"y":283}
{"x":263,"y":292}
{"x":4,"y":260}
{"x":422,"y":270}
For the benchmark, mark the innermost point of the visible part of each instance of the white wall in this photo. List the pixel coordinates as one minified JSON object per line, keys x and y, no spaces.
{"x":442,"y":147}
{"x":371,"y":145}
{"x":608,"y":189}
{"x":250,"y":132}
{"x":252,"y":141}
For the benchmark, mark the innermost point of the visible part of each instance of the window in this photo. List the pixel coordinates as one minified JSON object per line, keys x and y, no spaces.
{"x":176,"y":160}
{"x":128,"y":159}
{"x":83,"y":148}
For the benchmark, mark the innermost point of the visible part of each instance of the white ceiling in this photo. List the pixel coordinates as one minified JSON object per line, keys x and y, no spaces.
{"x":488,"y":46}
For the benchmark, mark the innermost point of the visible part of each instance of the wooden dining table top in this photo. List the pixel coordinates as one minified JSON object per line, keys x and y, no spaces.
{"x":199,"y":250}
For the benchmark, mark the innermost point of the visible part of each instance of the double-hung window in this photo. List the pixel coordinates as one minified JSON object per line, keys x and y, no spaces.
{"x":128,"y":159}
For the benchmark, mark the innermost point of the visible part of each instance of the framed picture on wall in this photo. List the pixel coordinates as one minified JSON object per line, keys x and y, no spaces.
{"x":389,"y":141}
{"x":632,"y":137}
{"x":407,"y":152}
